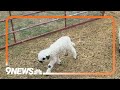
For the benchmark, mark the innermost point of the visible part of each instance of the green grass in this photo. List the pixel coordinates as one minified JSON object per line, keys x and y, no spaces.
{"x":10,"y":39}
{"x":4,"y":14}
{"x":22,"y":23}
{"x":2,"y":31}
{"x":75,"y":21}
{"x":39,"y":30}
{"x":2,"y":41}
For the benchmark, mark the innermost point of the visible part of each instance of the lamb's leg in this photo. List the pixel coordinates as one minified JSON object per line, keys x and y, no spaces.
{"x":58,"y":60}
{"x":119,"y":48}
{"x":50,"y":65}
{"x":73,"y":44}
{"x":73,"y":51}
{"x":66,"y":53}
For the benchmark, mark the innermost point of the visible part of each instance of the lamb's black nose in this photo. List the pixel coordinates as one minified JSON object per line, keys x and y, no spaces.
{"x":41,"y":61}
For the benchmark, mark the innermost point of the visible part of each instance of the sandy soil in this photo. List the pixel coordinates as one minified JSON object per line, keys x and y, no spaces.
{"x":93,"y":45}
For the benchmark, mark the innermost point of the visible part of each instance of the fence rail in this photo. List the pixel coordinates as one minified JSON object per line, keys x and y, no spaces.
{"x":13,"y":31}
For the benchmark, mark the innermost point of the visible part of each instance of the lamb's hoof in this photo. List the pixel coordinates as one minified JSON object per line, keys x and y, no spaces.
{"x":47,"y":74}
{"x":66,"y":54}
{"x":59,"y":62}
{"x":119,"y":50}
{"x":75,"y":57}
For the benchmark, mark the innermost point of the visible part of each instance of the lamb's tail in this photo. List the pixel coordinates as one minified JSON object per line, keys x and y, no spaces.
{"x":73,"y":43}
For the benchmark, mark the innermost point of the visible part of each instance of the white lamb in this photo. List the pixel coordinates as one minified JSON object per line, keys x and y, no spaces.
{"x":63,"y":45}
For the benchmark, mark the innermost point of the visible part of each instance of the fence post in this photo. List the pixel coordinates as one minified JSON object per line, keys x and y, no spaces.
{"x":12,"y":27}
{"x":65,"y":18}
{"x":103,"y":12}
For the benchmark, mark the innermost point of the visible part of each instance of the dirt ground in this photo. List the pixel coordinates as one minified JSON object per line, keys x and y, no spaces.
{"x":93,"y":45}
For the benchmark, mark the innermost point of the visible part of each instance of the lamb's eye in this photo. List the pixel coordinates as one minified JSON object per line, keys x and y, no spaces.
{"x":43,"y":58}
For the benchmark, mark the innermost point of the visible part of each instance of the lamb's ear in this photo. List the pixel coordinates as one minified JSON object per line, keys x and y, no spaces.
{"x":48,"y":56}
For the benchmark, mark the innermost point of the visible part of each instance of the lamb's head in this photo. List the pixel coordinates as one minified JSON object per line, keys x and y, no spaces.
{"x":43,"y":55}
